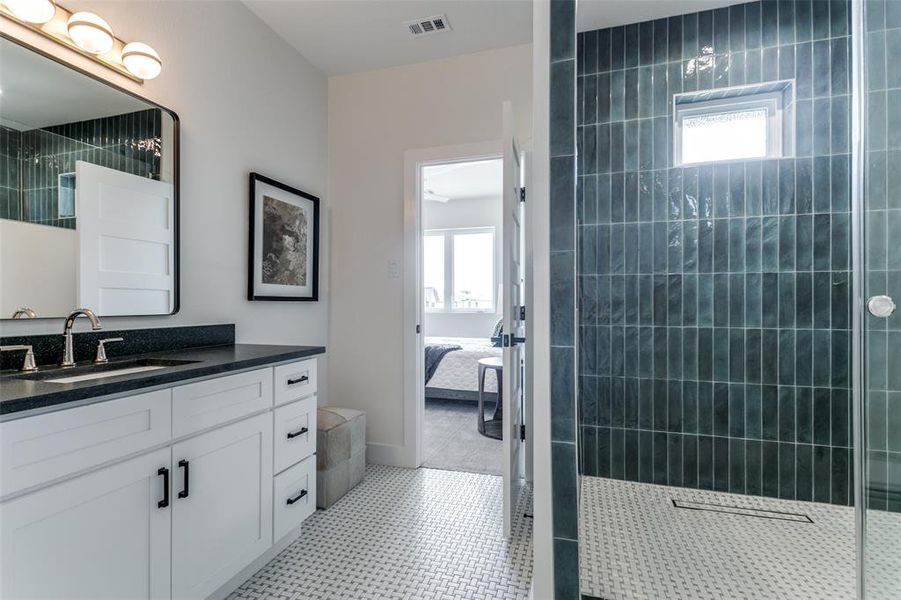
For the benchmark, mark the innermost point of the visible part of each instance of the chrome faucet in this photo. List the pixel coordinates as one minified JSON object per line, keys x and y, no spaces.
{"x":29,"y":365}
{"x":68,"y":353}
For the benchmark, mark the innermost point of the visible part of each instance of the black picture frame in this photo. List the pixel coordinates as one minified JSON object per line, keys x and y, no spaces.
{"x":252,"y":293}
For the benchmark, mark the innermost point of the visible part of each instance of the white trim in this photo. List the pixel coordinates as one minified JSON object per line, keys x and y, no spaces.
{"x":387,"y":454}
{"x":410,"y":454}
{"x":538,"y":208}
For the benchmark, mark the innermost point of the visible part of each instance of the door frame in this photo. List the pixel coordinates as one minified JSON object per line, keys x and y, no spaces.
{"x":414,"y":313}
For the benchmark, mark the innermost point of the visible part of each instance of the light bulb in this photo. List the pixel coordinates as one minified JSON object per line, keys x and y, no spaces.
{"x":90,"y":32}
{"x":141,"y":60}
{"x":32,"y":11}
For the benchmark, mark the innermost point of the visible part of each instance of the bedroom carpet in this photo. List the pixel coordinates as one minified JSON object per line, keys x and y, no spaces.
{"x":453,"y":443}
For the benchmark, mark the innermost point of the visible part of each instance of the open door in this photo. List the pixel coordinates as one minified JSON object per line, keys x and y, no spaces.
{"x":514,"y":323}
{"x":126,"y":242}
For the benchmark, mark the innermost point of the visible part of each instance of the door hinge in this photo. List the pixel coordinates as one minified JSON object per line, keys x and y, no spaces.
{"x":419,"y":329}
{"x":522,"y":194}
{"x":522,"y":433}
{"x":522,"y":313}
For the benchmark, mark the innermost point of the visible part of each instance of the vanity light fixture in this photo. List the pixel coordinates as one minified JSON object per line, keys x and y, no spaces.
{"x":90,"y":32}
{"x":141,"y":60}
{"x":32,"y":11}
{"x":85,"y":33}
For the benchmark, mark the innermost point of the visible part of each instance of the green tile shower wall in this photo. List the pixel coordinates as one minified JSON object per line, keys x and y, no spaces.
{"x":33,"y":159}
{"x":883,"y":257}
{"x":10,"y":142}
{"x":714,"y":301}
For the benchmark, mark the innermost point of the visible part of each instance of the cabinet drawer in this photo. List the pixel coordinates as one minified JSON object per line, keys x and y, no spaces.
{"x":45,"y":447}
{"x":208,"y":403}
{"x":294,"y":497}
{"x":295,"y":432}
{"x":295,"y":381}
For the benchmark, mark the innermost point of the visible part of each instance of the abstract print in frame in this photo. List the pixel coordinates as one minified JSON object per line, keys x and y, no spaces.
{"x":284,"y":242}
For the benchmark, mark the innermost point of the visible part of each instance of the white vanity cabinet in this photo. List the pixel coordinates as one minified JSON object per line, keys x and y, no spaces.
{"x":100,"y":535}
{"x":180,"y":504}
{"x":222,"y":506}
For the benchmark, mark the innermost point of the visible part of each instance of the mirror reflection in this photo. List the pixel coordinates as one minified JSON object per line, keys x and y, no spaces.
{"x":88,"y":209}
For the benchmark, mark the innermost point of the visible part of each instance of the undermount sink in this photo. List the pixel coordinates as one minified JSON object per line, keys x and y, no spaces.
{"x":113,"y":369}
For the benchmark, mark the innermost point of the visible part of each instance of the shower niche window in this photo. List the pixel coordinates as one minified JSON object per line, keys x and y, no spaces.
{"x":66,"y":195}
{"x":739,"y":123}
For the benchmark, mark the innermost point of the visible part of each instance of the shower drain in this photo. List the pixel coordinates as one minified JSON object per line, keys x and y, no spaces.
{"x":742,"y":510}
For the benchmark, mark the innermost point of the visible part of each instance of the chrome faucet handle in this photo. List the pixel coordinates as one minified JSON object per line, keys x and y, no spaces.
{"x":68,"y":346}
{"x":28,"y":366}
{"x":25,"y":313}
{"x":101,"y":350}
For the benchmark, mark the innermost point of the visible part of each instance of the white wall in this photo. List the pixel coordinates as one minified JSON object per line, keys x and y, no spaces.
{"x":469,"y":212}
{"x":373,"y":118}
{"x":53,"y":250}
{"x":247,"y":101}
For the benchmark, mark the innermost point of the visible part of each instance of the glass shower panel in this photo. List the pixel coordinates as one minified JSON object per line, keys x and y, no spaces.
{"x":880,"y":27}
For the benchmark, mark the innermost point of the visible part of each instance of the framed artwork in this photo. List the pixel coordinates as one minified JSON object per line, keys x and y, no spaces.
{"x":284,"y":242}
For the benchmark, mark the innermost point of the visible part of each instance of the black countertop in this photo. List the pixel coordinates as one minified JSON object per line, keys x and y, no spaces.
{"x":18,"y":393}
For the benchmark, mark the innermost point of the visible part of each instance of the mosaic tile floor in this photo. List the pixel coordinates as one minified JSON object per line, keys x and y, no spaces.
{"x":883,"y":555}
{"x":636,"y":545}
{"x":405,"y":534}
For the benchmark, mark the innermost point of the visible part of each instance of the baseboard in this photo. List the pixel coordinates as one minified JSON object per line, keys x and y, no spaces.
{"x":389,"y":454}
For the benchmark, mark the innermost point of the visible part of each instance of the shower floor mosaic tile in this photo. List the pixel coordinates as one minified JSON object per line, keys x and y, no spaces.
{"x":635,"y":544}
{"x":882,"y":558}
{"x":405,"y":534}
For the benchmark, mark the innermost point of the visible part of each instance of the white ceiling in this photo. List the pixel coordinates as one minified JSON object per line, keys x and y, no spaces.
{"x":39,"y":92}
{"x":349,"y":36}
{"x":463,"y":181}
{"x":598,"y":14}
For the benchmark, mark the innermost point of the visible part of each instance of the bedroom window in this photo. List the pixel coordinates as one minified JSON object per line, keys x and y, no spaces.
{"x":433,"y":267}
{"x":458,"y":270}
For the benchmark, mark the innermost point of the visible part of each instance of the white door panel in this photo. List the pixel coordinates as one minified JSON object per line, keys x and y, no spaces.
{"x":514,"y":325}
{"x":126,"y":242}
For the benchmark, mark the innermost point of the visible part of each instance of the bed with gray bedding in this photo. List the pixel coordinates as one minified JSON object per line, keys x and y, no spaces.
{"x":456,"y":376}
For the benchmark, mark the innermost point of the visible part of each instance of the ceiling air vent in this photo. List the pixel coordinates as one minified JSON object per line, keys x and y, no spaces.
{"x":428,"y":26}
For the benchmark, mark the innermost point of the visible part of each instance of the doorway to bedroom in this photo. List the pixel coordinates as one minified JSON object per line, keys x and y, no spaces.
{"x":467,"y":262}
{"x":462,"y":248}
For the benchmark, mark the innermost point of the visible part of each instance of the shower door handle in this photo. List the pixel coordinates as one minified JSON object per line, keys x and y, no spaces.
{"x":881,"y":306}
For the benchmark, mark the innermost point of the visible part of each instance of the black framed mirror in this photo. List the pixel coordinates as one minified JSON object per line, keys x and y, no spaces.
{"x":89,"y":193}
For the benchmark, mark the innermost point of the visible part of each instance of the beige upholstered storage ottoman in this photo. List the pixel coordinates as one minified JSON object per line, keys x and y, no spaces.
{"x":340,"y":453}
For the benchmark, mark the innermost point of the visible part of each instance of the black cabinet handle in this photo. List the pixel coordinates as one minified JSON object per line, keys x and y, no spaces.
{"x":183,"y":464}
{"x":297,"y":497}
{"x":165,"y":501}
{"x":300,"y":431}
{"x":301,"y":379}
